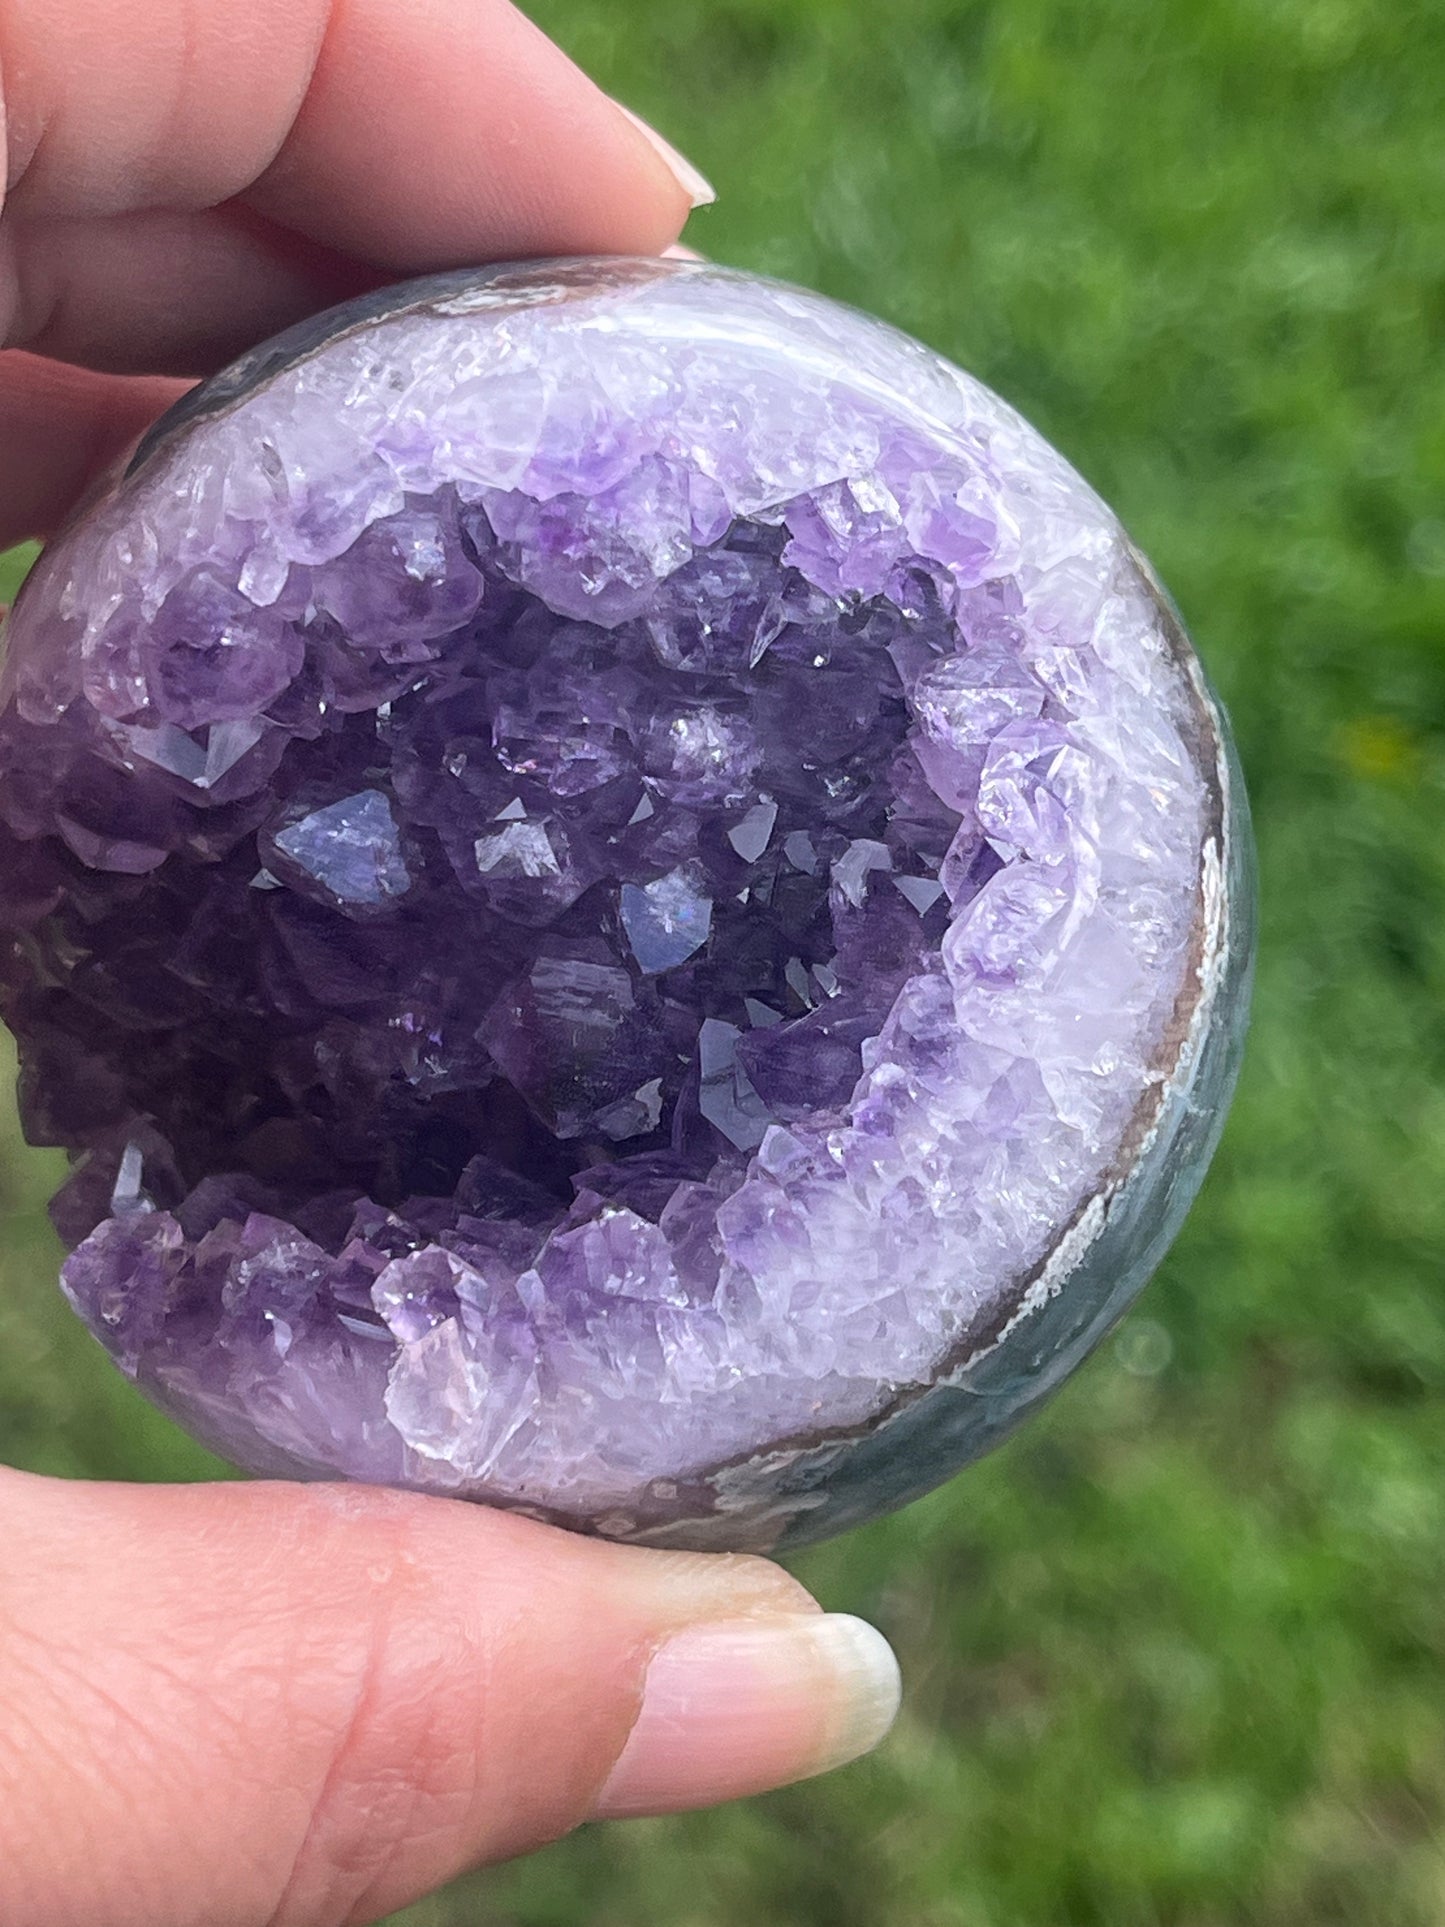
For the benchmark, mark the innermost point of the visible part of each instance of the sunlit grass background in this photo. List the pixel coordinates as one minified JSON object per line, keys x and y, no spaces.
{"x":1175,"y":1655}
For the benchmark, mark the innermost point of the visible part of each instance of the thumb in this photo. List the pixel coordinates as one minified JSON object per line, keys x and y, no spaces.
{"x":238,"y":1704}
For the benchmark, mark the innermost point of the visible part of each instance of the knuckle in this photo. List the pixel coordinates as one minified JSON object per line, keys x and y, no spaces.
{"x":394,"y":1743}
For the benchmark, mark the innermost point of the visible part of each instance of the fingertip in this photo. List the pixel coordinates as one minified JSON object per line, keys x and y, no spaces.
{"x":463,"y":133}
{"x":747,"y":1705}
{"x":694,"y":184}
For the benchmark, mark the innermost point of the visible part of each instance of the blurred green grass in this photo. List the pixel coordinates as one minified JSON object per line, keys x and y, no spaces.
{"x":1175,"y":1655}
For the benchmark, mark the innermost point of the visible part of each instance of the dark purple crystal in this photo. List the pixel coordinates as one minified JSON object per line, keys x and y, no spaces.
{"x":605,"y":865}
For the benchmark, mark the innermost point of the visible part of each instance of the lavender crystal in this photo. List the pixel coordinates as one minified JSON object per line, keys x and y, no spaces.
{"x":617,"y":878}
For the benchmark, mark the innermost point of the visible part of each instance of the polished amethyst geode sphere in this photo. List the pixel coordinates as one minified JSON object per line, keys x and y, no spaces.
{"x":628,"y":897}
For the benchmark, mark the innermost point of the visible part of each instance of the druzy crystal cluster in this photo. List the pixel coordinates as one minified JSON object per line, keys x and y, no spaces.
{"x":605,"y":864}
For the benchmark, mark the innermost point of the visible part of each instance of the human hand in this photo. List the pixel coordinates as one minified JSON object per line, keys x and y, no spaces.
{"x":259,"y":1703}
{"x":186,"y":177}
{"x":231,"y":1705}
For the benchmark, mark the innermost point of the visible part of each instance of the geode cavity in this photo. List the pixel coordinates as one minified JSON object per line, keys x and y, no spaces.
{"x":629,"y":900}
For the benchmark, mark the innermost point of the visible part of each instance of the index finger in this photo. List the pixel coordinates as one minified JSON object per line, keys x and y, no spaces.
{"x":186,"y":176}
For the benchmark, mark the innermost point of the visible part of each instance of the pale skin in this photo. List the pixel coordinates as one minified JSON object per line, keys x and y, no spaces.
{"x":274,"y":1706}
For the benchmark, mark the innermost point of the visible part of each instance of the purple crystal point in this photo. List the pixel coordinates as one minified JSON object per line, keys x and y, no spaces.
{"x":404,"y":584}
{"x":628,"y":897}
{"x":347,"y":853}
{"x":667,"y":920}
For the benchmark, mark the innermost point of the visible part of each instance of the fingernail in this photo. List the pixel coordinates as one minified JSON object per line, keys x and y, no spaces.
{"x":748,"y":1704}
{"x":698,"y":189}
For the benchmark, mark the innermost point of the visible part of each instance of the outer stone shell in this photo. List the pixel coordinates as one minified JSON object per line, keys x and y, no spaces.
{"x":629,"y":897}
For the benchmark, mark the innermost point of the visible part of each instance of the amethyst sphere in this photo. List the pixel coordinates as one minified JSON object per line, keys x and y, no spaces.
{"x":629,"y":900}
